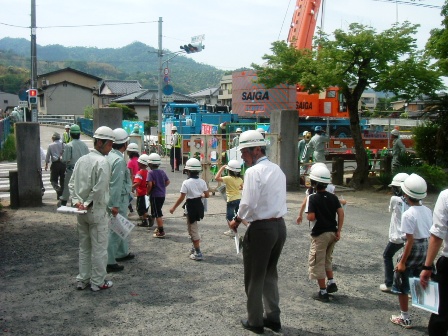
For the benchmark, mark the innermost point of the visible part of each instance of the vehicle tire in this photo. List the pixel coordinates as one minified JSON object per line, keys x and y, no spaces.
{"x":342,"y":132}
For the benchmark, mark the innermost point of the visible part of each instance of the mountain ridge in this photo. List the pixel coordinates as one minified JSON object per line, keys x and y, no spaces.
{"x":133,"y":61}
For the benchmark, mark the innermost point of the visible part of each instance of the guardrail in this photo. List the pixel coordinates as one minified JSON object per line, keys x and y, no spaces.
{"x":60,"y":120}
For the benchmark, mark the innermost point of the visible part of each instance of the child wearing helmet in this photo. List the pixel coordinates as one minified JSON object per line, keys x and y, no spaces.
{"x":157,"y":181}
{"x":132,"y":164}
{"x":397,"y":205}
{"x":139,"y":184}
{"x":415,"y":224}
{"x":234,"y":185}
{"x":324,"y":209}
{"x":193,"y":189}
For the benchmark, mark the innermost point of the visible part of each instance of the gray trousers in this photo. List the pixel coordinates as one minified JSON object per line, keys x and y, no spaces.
{"x":118,"y":247}
{"x":262,"y":246}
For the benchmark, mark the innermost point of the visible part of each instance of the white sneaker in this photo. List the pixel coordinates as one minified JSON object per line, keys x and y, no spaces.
{"x":398,"y":319}
{"x":230,"y":233}
{"x":385,"y":289}
{"x":196,"y":256}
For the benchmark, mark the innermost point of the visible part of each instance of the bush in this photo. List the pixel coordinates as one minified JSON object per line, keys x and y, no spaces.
{"x":8,"y":153}
{"x":423,"y":136}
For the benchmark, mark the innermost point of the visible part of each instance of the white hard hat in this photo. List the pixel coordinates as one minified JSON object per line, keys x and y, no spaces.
{"x":251,"y":139}
{"x":121,"y":136}
{"x":238,"y":130}
{"x":395,"y":132}
{"x":132,"y":147}
{"x":414,"y":186}
{"x":400,"y":177}
{"x":155,"y":159}
{"x":104,"y":133}
{"x":67,"y":126}
{"x":193,"y":165}
{"x":318,"y":164}
{"x":304,"y":133}
{"x":234,"y":165}
{"x":143,"y":159}
{"x":261,"y":130}
{"x":321,"y":174}
{"x":174,"y":128}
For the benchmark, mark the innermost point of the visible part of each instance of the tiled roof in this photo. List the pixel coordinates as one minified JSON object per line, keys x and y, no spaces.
{"x":205,"y":92}
{"x":121,"y":87}
{"x":144,"y":96}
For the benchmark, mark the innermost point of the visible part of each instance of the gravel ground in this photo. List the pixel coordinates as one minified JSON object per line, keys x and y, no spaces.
{"x":163,"y":292}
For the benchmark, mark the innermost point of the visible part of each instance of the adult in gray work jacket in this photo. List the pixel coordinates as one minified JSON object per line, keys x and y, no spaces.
{"x":72,"y":152}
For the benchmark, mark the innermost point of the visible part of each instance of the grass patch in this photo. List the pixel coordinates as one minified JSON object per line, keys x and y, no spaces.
{"x":8,"y":152}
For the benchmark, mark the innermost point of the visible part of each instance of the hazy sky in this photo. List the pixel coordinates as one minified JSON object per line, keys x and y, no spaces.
{"x":237,"y":32}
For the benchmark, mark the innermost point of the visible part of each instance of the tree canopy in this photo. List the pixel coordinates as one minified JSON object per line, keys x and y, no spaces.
{"x":354,"y":60}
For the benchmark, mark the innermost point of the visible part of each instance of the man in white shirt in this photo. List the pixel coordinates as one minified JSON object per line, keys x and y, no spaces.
{"x":438,"y":323}
{"x":263,"y":204}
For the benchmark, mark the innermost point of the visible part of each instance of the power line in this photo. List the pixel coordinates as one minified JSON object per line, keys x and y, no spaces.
{"x":79,"y":26}
{"x":401,"y":2}
{"x":284,"y":18}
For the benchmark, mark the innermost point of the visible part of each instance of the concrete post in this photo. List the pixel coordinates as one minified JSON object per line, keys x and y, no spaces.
{"x":14,"y":189}
{"x":285,"y":124}
{"x":337,"y":171}
{"x":28,"y":164}
{"x":107,"y":116}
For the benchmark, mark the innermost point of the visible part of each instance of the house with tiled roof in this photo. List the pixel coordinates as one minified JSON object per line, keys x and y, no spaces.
{"x":110,"y":89}
{"x":208,"y":96}
{"x":144,"y":102}
{"x":66,"y":92}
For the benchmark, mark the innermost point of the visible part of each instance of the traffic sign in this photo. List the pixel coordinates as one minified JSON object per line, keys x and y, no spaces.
{"x":166,"y":71}
{"x":23,"y":103}
{"x":167,"y":98}
{"x":168,"y":90}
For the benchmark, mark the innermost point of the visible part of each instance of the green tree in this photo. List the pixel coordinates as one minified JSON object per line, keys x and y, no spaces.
{"x":128,"y":113}
{"x":353,"y":61}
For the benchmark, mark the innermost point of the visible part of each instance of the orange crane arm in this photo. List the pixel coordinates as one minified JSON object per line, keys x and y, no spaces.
{"x":303,"y":23}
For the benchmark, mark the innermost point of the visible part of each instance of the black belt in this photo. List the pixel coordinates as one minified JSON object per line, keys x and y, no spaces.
{"x":268,"y":220}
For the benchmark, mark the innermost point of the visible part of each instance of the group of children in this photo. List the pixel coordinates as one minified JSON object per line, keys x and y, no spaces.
{"x":150,"y":184}
{"x":409,"y":228}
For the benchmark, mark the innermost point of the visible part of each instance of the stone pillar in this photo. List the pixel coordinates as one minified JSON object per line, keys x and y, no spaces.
{"x":337,"y":171}
{"x":285,"y":124}
{"x":28,"y":164}
{"x":107,"y":116}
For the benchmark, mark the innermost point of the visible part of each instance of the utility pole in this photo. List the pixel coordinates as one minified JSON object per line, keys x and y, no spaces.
{"x":33,"y":46}
{"x":159,"y":89}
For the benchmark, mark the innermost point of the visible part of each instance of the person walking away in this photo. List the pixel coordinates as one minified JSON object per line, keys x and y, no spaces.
{"x":397,"y":149}
{"x":120,"y":187}
{"x":89,"y":190}
{"x":263,"y":204}
{"x":139,"y":184}
{"x":317,"y":144}
{"x":57,"y":168}
{"x":66,"y":137}
{"x":193,"y":189}
{"x":415,"y":223}
{"x":438,"y":323}
{"x":323,"y":209}
{"x":236,"y":139}
{"x":397,"y":205}
{"x":175,"y":151}
{"x":72,"y":152}
{"x":157,"y":181}
{"x":234,"y":185}
{"x":133,"y":155}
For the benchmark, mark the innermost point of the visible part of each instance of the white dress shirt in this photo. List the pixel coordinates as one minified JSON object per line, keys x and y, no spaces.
{"x":264,"y":192}
{"x":440,"y":220}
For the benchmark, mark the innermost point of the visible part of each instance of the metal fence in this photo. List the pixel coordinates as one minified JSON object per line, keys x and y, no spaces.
{"x":59,"y":120}
{"x":5,"y":130}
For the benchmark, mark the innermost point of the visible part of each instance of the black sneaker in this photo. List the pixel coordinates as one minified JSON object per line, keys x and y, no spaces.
{"x":114,"y":268}
{"x":129,"y":256}
{"x":321,"y":297}
{"x":274,"y":326}
{"x":332,"y":288}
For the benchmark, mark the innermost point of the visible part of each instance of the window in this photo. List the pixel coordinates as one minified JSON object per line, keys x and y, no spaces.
{"x":331,"y":94}
{"x":5,"y":101}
